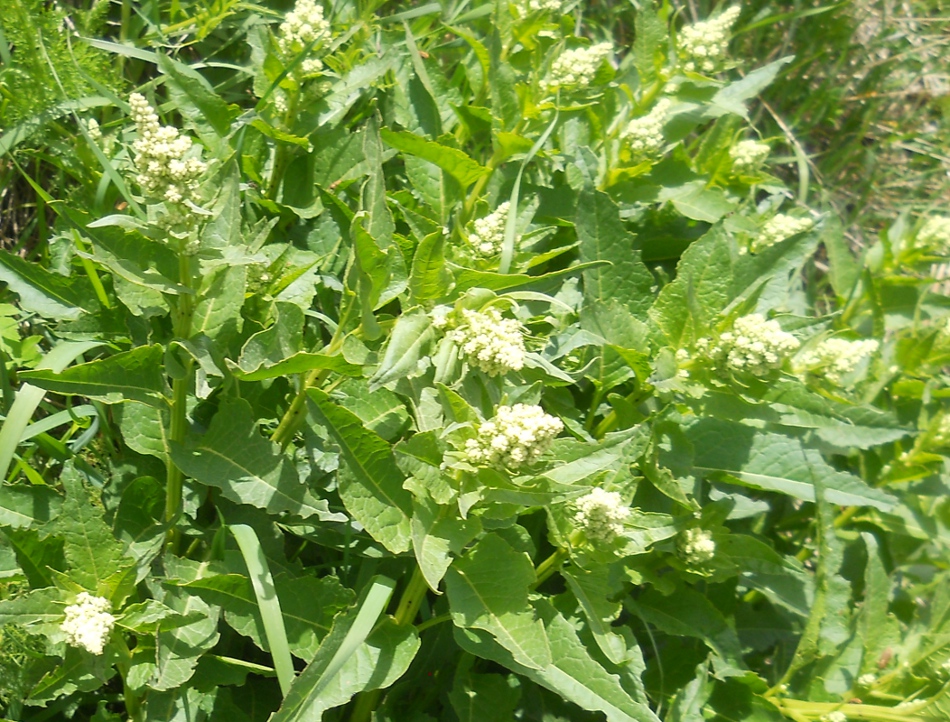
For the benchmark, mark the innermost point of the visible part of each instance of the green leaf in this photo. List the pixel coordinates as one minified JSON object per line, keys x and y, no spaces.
{"x":438,"y":534}
{"x":23,"y":506}
{"x":483,"y":697}
{"x":408,"y":344}
{"x":453,"y":161}
{"x":731,"y":99}
{"x":217,"y":314}
{"x":843,"y":267}
{"x":775,"y":463}
{"x":694,"y":200}
{"x":37,"y":607}
{"x":648,"y":43}
{"x":595,"y":593}
{"x":372,"y":489}
{"x":467,"y":278}
{"x":429,"y":280}
{"x":194,"y":96}
{"x":48,"y":294}
{"x":134,"y":375}
{"x":249,"y":469}
{"x":488,"y":589}
{"x":603,"y":237}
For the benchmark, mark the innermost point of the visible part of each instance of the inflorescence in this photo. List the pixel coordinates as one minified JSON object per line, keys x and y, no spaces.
{"x":600,"y":515}
{"x":489,"y":342}
{"x":778,"y":228}
{"x":544,"y":5}
{"x":703,"y":45}
{"x":748,"y":155}
{"x":305,"y":24}
{"x":835,"y":358}
{"x":488,"y":236}
{"x":644,"y":135}
{"x":697,"y":546}
{"x":936,"y":233}
{"x":88,"y":623}
{"x":517,"y":435}
{"x":755,"y":345}
{"x":576,"y":68}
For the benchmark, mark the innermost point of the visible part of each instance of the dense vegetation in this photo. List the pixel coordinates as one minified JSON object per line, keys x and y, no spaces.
{"x":536,"y":360}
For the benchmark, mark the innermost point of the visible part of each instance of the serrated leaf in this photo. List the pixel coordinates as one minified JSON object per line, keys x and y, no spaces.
{"x":456,"y":163}
{"x":438,"y":534}
{"x":46,"y":293}
{"x":430,"y":279}
{"x":23,"y":506}
{"x":408,"y":343}
{"x":372,"y":490}
{"x":249,"y":469}
{"x":594,"y":592}
{"x":196,"y":99}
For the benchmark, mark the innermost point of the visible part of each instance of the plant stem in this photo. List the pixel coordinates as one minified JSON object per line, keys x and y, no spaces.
{"x":409,"y":604}
{"x":549,"y":566}
{"x":133,"y":705}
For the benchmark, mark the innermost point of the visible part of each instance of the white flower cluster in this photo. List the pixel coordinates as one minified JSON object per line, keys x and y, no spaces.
{"x":576,"y":68}
{"x":867,"y":680}
{"x":305,"y":24}
{"x":164,"y":171}
{"x":544,"y":5}
{"x":836,"y":716}
{"x":92,"y":127}
{"x":489,"y":342}
{"x":755,"y":345}
{"x":517,"y":435}
{"x":747,"y":155}
{"x":703,"y":45}
{"x":88,"y":623}
{"x":936,"y":232}
{"x":644,"y":135}
{"x":600,"y":515}
{"x":697,"y":546}
{"x":778,"y":228}
{"x":941,"y":437}
{"x":489,"y":232}
{"x":837,"y":357}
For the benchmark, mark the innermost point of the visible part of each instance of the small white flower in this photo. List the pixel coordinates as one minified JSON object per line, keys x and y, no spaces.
{"x":489,"y":342}
{"x":644,"y":135}
{"x":941,"y":435}
{"x":88,"y":623}
{"x":92,"y":127}
{"x":165,"y":173}
{"x":835,"y":358}
{"x":778,"y":228}
{"x":517,"y":435}
{"x":703,"y":45}
{"x":697,"y":546}
{"x":600,"y":515}
{"x":544,"y":5}
{"x":836,"y":716}
{"x":936,"y":233}
{"x":488,"y":236}
{"x":747,"y":155}
{"x":302,"y":26}
{"x":866,"y":680}
{"x":576,"y":68}
{"x":754,"y":345}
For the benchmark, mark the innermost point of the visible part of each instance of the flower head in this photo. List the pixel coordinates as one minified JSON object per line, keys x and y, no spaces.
{"x":940,"y":437}
{"x":165,"y":171}
{"x":600,"y":515}
{"x":488,"y":236}
{"x":88,"y":623}
{"x":836,"y":357}
{"x":754,"y":345}
{"x":644,"y":135}
{"x":747,"y":155}
{"x":697,"y":546}
{"x":489,"y":342}
{"x":936,"y":233}
{"x":836,"y":716}
{"x":544,"y":5}
{"x":703,"y":45}
{"x":576,"y":68}
{"x":302,"y":26}
{"x":778,"y":228}
{"x":517,"y":435}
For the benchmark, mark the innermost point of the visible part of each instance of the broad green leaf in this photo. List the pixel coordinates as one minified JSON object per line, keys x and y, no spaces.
{"x":783,"y":580}
{"x":37,"y":607}
{"x":603,"y":237}
{"x":380,"y":410}
{"x":44,"y":292}
{"x":430,"y":279}
{"x":249,"y":469}
{"x":483,"y":697}
{"x":453,"y":161}
{"x":144,"y":429}
{"x":488,"y":589}
{"x":408,"y":344}
{"x":438,"y":534}
{"x":372,"y":490}
{"x":775,"y":463}
{"x":648,"y":43}
{"x":695,"y":200}
{"x":134,"y":375}
{"x":22,"y":506}
{"x":689,"y":702}
{"x":195,"y":98}
{"x":732,"y":98}
{"x":218,"y":311}
{"x":467,"y":278}
{"x":595,"y":593}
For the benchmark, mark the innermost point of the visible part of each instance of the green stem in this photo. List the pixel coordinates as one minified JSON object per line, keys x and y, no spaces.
{"x":795,"y":709}
{"x":133,"y":705}
{"x":549,"y":566}
{"x":409,"y":604}
{"x":423,"y":626}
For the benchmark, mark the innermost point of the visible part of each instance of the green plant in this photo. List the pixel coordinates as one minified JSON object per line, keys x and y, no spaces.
{"x":458,"y":362}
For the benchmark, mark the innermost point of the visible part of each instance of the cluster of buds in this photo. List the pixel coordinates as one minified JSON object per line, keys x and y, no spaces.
{"x":748,"y":155}
{"x":644,"y":135}
{"x":703,"y":45}
{"x":697,"y":547}
{"x":165,"y":172}
{"x":600,"y":515}
{"x":936,"y":233}
{"x":88,"y":623}
{"x":517,"y":435}
{"x":940,"y":437}
{"x":778,"y":228}
{"x":755,"y":345}
{"x":488,"y":235}
{"x":835,"y":358}
{"x":575,"y":69}
{"x":535,"y":6}
{"x":836,"y":716}
{"x":304,"y":25}
{"x":489,"y":342}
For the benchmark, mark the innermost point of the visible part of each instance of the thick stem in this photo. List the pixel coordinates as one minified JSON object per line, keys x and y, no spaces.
{"x":549,"y":566}
{"x":409,"y":604}
{"x":133,"y":705}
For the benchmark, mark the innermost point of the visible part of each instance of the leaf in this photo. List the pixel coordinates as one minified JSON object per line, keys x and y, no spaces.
{"x":408,"y":344}
{"x":731,"y":99}
{"x":48,"y":294}
{"x":483,"y":697}
{"x":466,"y":278}
{"x":195,"y":98}
{"x":437,"y":535}
{"x":488,"y":589}
{"x":594,"y":591}
{"x":217,"y":314}
{"x":134,"y":375}
{"x":429,"y":280}
{"x":694,"y":200}
{"x":357,"y":655}
{"x":380,"y":410}
{"x":603,"y":237}
{"x":783,"y":580}
{"x":249,"y":469}
{"x":36,"y":607}
{"x":372,"y":490}
{"x":23,"y":506}
{"x":775,"y":463}
{"x":453,"y":161}
{"x":648,"y":43}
